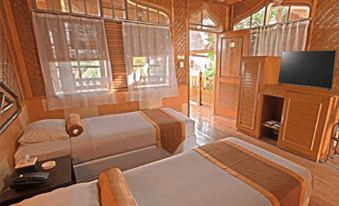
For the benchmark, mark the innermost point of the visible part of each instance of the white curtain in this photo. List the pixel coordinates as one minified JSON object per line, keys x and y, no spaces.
{"x":149,"y":63}
{"x":74,"y":60}
{"x":273,"y":40}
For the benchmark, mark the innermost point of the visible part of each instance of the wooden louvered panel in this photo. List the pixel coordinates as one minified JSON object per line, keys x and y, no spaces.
{"x":228,"y":98}
{"x":116,"y":53}
{"x":249,"y":88}
{"x":255,"y":72}
{"x":303,"y":121}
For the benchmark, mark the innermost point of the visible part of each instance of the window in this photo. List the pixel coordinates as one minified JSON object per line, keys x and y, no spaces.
{"x":258,"y":18}
{"x":202,"y":20}
{"x":150,"y":72}
{"x":149,"y":62}
{"x":299,"y":12}
{"x":72,"y":53}
{"x":116,"y":9}
{"x":271,"y":14}
{"x":277,"y":14}
{"x":87,"y":7}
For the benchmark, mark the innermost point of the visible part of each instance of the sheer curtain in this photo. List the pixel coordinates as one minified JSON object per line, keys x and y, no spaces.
{"x":74,"y":60}
{"x":272,"y":40}
{"x":149,"y":63}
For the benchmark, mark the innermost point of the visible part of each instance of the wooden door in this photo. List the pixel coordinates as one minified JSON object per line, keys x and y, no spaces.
{"x":231,"y":47}
{"x":251,"y":70}
{"x":303,"y":121}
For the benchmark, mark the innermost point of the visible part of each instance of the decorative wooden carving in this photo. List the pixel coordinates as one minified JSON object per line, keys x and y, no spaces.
{"x":217,"y":10}
{"x":246,"y":7}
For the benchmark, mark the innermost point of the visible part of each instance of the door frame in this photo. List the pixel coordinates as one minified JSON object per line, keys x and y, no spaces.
{"x":189,"y":62}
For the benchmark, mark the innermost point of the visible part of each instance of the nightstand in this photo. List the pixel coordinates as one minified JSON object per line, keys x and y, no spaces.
{"x":61,"y":175}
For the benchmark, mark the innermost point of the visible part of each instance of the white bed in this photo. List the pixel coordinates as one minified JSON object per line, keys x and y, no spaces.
{"x":122,"y":140}
{"x":181,"y":180}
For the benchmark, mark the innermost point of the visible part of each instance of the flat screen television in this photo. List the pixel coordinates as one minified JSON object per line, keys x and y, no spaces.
{"x":309,"y":68}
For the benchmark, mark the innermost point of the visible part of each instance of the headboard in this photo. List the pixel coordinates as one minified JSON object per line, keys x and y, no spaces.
{"x":10,"y":107}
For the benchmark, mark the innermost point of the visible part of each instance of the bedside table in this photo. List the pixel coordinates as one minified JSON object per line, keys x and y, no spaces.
{"x":61,"y":175}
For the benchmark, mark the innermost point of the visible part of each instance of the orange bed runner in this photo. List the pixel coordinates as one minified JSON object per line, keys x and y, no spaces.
{"x":170,"y":131}
{"x":279,"y":184}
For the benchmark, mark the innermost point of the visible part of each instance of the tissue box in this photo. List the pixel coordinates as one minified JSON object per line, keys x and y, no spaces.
{"x":26,"y":165}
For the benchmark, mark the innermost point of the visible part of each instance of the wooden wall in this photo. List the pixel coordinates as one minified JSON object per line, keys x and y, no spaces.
{"x":9,"y":75}
{"x":179,"y":12}
{"x":325,"y":30}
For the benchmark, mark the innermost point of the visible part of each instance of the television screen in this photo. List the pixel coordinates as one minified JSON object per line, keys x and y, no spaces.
{"x":311,"y":68}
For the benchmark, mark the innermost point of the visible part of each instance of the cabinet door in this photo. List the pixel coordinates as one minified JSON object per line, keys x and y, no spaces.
{"x":303,"y":122}
{"x":249,"y":96}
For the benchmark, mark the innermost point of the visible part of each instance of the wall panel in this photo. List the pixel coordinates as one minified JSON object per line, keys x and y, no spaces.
{"x":23,"y":22}
{"x":325,"y":32}
{"x":8,"y":75}
{"x":180,"y":35}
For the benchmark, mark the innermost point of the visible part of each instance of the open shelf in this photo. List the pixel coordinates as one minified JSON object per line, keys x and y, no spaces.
{"x":271,"y":127}
{"x":272,"y":111}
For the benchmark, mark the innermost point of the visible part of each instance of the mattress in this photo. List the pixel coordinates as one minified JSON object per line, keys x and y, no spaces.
{"x":104,"y":136}
{"x":181,"y":180}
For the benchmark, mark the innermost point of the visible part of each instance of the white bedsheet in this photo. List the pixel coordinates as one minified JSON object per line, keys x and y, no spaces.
{"x":104,"y":136}
{"x":112,"y":134}
{"x":185,"y":179}
{"x":44,"y":150}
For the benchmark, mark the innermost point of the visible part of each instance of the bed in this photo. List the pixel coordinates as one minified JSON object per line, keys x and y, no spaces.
{"x":185,"y":179}
{"x":121,"y":140}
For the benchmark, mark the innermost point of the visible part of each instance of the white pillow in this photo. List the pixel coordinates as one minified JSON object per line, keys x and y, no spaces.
{"x":44,"y":131}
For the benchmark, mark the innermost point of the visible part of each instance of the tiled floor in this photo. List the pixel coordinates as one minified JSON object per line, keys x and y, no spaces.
{"x":326,"y":176}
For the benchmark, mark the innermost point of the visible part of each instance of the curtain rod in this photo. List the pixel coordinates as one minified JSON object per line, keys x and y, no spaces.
{"x":97,"y":17}
{"x":281,"y":23}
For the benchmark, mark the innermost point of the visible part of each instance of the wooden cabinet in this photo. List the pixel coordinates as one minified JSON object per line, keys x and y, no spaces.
{"x":306,"y":114}
{"x":255,"y":71}
{"x":303,"y":122}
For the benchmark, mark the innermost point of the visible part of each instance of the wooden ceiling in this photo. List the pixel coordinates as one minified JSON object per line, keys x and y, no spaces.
{"x":228,"y":1}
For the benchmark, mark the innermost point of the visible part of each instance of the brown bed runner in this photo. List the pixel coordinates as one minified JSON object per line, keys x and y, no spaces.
{"x":170,"y":131}
{"x":114,"y":189}
{"x":279,"y":184}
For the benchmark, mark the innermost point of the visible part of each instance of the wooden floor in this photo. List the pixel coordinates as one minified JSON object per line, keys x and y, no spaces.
{"x":326,"y":176}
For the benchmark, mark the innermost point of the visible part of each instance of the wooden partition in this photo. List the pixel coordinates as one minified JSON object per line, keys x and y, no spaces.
{"x":306,"y":115}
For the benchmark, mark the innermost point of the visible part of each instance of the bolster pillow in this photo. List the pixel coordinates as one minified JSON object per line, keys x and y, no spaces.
{"x":114,"y":189}
{"x":74,"y":125}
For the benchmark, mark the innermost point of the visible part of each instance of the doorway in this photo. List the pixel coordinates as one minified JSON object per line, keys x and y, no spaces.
{"x":202,"y":67}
